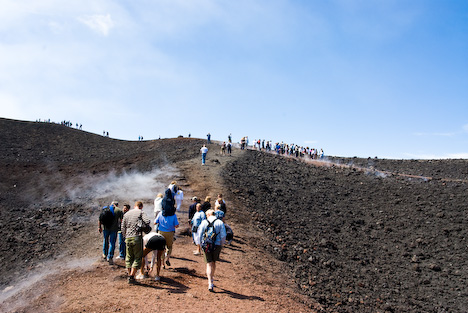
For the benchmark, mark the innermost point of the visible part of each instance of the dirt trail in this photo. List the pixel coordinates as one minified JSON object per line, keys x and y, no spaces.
{"x":247,"y":280}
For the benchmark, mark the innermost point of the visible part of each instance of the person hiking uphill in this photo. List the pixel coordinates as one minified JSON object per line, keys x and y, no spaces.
{"x":209,"y":228}
{"x":133,"y":239}
{"x":109,"y":225}
{"x":203,"y":151}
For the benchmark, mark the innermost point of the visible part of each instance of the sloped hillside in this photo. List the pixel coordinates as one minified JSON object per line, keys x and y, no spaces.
{"x":359,"y":242}
{"x":383,"y":236}
{"x":37,"y":161}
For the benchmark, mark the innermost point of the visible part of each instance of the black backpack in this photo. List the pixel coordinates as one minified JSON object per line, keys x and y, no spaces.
{"x":168,"y":203}
{"x":106,"y":217}
{"x":229,"y":233}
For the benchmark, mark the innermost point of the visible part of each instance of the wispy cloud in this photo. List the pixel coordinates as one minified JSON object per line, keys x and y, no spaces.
{"x":448,"y":134}
{"x":464,"y":128}
{"x":460,"y":155}
{"x":101,"y":24}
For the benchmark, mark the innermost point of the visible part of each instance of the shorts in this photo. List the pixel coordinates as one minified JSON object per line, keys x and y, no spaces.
{"x":134,"y":252}
{"x":212,"y":256}
{"x":157,"y":242}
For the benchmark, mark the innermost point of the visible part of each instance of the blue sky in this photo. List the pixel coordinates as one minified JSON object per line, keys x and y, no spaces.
{"x":356,"y":78}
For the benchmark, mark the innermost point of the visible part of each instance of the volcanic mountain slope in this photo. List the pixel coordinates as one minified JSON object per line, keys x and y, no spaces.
{"x":358,"y":242}
{"x":52,"y":237}
{"x":353,"y":240}
{"x":39,"y":162}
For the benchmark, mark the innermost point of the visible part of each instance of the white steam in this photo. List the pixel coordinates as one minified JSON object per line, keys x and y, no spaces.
{"x":126,"y":187}
{"x":94,"y":190}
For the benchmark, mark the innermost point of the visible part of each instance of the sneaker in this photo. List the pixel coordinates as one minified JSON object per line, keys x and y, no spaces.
{"x":210,"y":288}
{"x":157,"y":278}
{"x":120,"y":258}
{"x":196,"y":252}
{"x":110,"y":261}
{"x":104,"y":256}
{"x":140,"y":276}
{"x":168,"y":263}
{"x":131,"y":280}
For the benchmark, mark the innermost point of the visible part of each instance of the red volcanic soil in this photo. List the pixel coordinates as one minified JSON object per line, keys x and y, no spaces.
{"x":370,"y":236}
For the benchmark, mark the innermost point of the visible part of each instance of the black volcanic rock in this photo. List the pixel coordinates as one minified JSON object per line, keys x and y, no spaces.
{"x":351,"y":237}
{"x":381,"y":236}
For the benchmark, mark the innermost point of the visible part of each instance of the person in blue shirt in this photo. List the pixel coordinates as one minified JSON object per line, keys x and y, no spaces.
{"x":212,"y":257}
{"x":166,"y":227}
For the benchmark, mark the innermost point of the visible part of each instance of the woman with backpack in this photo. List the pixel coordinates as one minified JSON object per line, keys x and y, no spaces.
{"x":212,"y":235}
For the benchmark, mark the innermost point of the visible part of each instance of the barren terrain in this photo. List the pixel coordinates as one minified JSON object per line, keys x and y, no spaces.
{"x":370,"y":236}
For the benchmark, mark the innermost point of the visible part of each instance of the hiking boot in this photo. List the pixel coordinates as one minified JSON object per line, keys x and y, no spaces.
{"x":131,"y":280}
{"x":168,"y":263}
{"x":111,"y":261}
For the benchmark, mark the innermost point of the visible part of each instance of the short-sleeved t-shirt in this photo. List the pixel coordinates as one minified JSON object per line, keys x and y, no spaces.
{"x":166,"y":223}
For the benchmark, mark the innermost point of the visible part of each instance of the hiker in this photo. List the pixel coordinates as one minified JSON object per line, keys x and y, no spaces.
{"x":217,"y":227}
{"x":122,"y":246}
{"x":209,"y":137}
{"x":219,"y":213}
{"x":167,"y":225}
{"x":179,"y":197}
{"x":229,"y":234}
{"x":158,"y":204}
{"x":230,"y":138}
{"x":223,"y":148}
{"x":192,"y":209}
{"x":229,"y":148}
{"x":133,"y":239}
{"x":203,"y":151}
{"x":206,"y":205}
{"x":198,"y":217}
{"x":221,"y":203}
{"x":173,"y":187}
{"x":152,"y":242}
{"x":109,"y":221}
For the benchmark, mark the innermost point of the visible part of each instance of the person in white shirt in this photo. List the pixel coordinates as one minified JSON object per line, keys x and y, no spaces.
{"x":203,"y":151}
{"x":198,"y":217}
{"x":179,"y":196}
{"x":158,"y":204}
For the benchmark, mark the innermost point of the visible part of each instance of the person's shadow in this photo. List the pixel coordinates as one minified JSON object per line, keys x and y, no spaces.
{"x":239,"y":296}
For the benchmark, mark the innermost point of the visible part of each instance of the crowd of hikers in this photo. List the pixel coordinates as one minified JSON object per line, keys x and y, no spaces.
{"x":140,"y":236}
{"x":282,"y":148}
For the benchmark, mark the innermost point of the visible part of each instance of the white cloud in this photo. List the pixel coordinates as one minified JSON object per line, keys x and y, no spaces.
{"x":460,"y":155}
{"x":448,"y":134}
{"x":101,"y":24}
